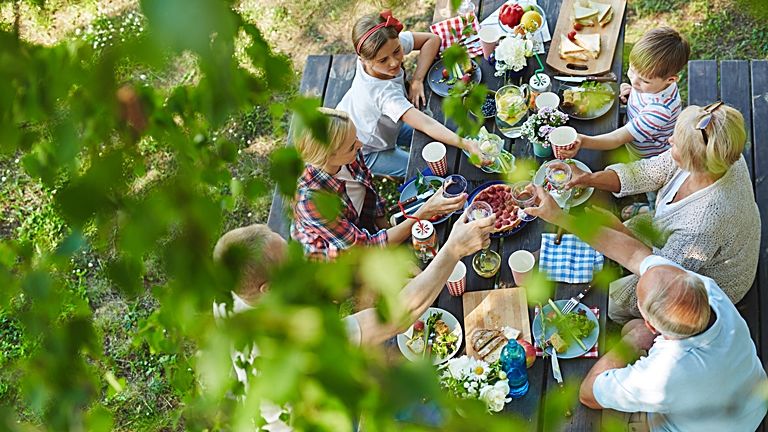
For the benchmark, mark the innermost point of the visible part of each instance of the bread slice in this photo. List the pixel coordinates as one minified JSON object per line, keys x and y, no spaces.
{"x":607,"y":19}
{"x":577,"y":57}
{"x":602,"y":8}
{"x":481,"y":337}
{"x":590,"y":42}
{"x":491,"y":346}
{"x":495,"y":354}
{"x":567,"y":47}
{"x":581,"y":13}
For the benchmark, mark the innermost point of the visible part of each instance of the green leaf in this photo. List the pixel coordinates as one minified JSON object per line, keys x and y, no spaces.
{"x":328,"y":204}
{"x":99,"y":419}
{"x":286,"y":167}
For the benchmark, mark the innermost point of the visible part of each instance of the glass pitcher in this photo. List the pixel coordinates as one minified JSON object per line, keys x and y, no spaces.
{"x":511,"y":109}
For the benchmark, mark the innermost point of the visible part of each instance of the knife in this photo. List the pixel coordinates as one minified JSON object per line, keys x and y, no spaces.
{"x":605,"y":78}
{"x":412,"y":199}
{"x":556,"y":367}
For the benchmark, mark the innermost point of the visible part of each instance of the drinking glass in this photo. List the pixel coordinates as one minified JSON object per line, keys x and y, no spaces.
{"x":486,"y":262}
{"x":558,"y":174}
{"x":454,"y":185}
{"x":524,"y":195}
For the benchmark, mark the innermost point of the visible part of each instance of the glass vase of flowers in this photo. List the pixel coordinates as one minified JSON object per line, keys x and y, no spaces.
{"x":537,"y":127}
{"x":468,"y":378}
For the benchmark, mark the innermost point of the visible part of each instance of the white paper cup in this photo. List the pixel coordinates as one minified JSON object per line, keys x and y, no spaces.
{"x":547,"y":99}
{"x":457,"y":281}
{"x":521,"y":263}
{"x":434,"y":154}
{"x":562,"y":138}
{"x":489,"y":38}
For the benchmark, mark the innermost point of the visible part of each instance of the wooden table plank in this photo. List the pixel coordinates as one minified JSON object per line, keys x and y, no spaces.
{"x":314,"y":80}
{"x":759,"y":78}
{"x":339,"y":79}
{"x":702,"y":82}
{"x":736,"y":91}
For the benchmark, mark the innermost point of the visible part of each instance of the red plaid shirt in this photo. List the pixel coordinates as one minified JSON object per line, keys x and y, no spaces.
{"x":324,"y":238}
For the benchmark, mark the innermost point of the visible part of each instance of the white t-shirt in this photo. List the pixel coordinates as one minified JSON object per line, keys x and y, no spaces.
{"x":270,"y":412}
{"x":663,"y":202}
{"x":355,"y":190}
{"x":376,"y":105}
{"x":702,"y":383}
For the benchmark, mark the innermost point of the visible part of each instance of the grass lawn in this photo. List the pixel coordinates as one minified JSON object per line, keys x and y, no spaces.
{"x":717,"y":29}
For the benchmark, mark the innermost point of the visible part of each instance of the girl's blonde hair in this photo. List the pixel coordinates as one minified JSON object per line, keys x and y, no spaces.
{"x":315,"y":152}
{"x":726,"y":138}
{"x":375,"y":41}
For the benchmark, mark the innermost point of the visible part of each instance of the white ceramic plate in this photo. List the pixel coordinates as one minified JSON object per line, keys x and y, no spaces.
{"x":452,"y":323}
{"x":560,"y":198}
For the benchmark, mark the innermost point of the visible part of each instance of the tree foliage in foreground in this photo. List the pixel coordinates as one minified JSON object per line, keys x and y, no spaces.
{"x":78,"y":125}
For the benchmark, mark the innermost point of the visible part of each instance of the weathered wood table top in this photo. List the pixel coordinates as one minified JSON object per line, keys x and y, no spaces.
{"x":534,"y":404}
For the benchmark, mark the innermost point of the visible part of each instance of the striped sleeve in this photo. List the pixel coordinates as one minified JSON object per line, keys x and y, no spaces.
{"x":654,"y":120}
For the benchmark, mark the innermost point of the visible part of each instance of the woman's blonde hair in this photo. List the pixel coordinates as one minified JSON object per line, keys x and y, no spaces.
{"x":315,"y":152}
{"x":375,"y":41}
{"x":677,"y":307}
{"x":726,"y":138}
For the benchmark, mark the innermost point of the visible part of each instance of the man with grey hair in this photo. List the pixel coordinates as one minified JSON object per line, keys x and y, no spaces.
{"x":698,"y":368}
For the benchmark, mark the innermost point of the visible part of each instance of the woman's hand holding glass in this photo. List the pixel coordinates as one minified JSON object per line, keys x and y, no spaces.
{"x":438,"y":205}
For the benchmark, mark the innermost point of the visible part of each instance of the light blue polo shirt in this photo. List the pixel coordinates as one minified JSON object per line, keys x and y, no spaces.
{"x":708,"y":382}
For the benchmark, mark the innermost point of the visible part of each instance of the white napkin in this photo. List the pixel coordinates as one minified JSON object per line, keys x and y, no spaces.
{"x":541,"y":36}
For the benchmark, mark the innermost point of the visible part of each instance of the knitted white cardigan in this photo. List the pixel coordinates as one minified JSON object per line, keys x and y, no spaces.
{"x":714,"y":232}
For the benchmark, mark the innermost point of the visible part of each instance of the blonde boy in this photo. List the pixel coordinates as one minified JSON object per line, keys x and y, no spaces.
{"x":653,"y":100}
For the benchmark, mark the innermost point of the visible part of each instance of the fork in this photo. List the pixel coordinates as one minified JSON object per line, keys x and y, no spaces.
{"x":571,"y":305}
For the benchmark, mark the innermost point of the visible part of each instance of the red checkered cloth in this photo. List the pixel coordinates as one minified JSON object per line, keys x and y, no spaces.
{"x":592,"y":353}
{"x":450,"y":33}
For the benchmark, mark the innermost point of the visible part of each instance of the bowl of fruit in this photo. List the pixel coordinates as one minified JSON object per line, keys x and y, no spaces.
{"x":520,"y":19}
{"x":488,"y":109}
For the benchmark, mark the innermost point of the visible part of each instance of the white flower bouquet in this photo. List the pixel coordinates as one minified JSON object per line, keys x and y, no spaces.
{"x":538,"y":126}
{"x":512,"y":54}
{"x":467,"y":378}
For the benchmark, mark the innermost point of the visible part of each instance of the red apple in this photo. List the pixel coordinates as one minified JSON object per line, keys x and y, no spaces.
{"x":530,"y":352}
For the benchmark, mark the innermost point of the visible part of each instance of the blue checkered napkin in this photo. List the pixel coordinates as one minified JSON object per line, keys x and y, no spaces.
{"x":572,"y":261}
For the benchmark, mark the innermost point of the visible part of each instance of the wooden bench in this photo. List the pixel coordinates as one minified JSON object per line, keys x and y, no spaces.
{"x":327,"y":77}
{"x":743,"y":84}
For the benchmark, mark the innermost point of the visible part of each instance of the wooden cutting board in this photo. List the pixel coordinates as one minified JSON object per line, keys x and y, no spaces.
{"x":494,"y":309}
{"x":608,"y":37}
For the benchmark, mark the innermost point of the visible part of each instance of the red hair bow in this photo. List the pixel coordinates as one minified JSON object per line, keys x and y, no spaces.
{"x":389,"y":21}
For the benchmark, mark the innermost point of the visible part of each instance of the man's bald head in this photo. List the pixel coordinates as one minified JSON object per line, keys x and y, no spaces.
{"x":673,"y":301}
{"x":257,"y":250}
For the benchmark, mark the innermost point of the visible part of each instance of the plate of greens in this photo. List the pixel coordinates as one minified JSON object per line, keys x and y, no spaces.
{"x":446,"y":335}
{"x":420,"y":185}
{"x":571,"y":335}
{"x":589,"y":100}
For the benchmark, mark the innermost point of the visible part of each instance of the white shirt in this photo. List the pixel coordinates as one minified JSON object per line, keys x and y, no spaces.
{"x":664,"y":202}
{"x":702,"y":383}
{"x":376,"y":105}
{"x":355,"y":190}
{"x":269,"y":411}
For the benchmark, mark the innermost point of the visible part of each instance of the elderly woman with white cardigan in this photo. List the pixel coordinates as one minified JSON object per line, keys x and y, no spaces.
{"x":706,"y":218}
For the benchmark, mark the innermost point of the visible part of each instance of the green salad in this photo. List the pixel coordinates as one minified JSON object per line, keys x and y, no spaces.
{"x":574,"y":326}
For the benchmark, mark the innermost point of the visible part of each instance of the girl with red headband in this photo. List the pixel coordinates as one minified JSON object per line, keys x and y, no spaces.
{"x":377,"y":102}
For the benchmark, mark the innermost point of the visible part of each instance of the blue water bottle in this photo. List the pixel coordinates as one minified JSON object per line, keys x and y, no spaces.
{"x":513,"y":364}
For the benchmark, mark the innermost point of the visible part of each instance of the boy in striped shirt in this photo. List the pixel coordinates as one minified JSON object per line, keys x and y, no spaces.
{"x":652,"y":98}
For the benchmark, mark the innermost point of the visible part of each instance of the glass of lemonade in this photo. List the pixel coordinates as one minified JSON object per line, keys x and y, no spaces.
{"x":486,"y":263}
{"x":511,"y":109}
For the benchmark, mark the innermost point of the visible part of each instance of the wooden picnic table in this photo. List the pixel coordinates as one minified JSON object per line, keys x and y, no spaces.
{"x":533,"y":405}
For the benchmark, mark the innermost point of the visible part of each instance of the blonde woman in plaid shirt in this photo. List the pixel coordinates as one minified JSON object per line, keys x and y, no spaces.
{"x":338,"y":168}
